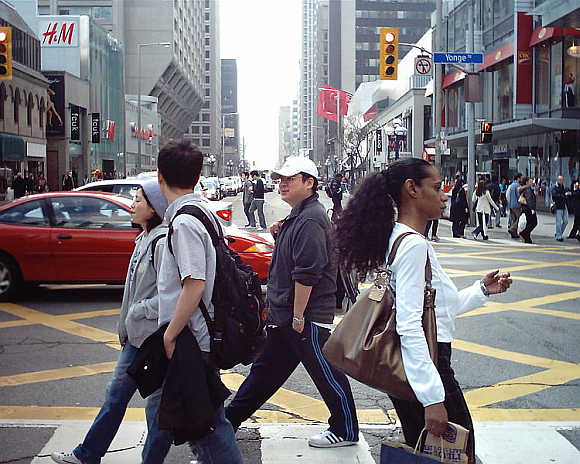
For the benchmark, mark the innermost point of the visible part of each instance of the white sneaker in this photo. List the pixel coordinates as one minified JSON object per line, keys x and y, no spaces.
{"x":327,"y":439}
{"x":65,"y":458}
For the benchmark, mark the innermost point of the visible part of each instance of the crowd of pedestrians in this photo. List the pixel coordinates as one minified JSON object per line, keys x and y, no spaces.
{"x":172,"y":276}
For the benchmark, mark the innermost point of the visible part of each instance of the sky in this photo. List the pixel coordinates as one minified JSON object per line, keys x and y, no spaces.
{"x":264,"y":37}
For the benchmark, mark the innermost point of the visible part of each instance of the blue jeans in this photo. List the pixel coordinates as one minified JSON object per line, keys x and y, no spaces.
{"x":481,"y":226}
{"x":119,"y":392}
{"x":561,"y":221}
{"x":219,"y":446}
{"x":257,"y":204}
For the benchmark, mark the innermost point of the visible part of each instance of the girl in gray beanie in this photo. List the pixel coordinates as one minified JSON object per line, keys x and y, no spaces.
{"x":137,"y":321}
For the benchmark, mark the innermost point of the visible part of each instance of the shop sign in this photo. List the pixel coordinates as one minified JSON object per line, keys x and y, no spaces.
{"x":75,"y":123}
{"x":55,"y":105}
{"x":96,"y":128}
{"x":59,"y":33}
{"x":500,"y":149}
{"x":379,"y":143}
{"x":146,"y":134}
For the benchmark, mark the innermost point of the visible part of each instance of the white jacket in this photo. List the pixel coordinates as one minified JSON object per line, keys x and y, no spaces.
{"x":484,"y":202}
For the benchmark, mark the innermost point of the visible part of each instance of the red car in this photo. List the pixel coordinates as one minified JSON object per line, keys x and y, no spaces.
{"x":84,"y":237}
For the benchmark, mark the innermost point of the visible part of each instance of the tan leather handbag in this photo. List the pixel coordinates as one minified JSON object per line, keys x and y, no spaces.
{"x":365,"y":344}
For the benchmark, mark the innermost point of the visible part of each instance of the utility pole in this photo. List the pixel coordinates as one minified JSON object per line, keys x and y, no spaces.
{"x":437,"y":91}
{"x":470,"y":115}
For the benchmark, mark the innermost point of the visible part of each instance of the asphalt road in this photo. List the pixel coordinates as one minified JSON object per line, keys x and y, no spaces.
{"x":516,"y":358}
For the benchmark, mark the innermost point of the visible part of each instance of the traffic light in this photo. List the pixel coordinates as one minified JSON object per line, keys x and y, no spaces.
{"x":5,"y":53}
{"x":486,"y":131}
{"x":389,"y":53}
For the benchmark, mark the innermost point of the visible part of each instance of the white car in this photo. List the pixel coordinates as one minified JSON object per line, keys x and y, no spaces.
{"x":128,"y":187}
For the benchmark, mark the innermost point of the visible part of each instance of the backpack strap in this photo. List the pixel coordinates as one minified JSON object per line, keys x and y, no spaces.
{"x":197,"y":213}
{"x":153,"y":245}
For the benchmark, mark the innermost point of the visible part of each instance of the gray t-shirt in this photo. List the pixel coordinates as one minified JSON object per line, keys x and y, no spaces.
{"x":193,"y":256}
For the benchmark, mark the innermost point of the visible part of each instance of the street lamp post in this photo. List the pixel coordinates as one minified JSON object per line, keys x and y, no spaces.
{"x":139,"y":128}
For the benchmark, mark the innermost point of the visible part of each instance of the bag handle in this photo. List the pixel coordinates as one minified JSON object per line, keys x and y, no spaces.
{"x":397,"y":243}
{"x":422,"y":438}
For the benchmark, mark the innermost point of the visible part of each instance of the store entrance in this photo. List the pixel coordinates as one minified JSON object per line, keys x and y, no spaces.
{"x":500,"y":168}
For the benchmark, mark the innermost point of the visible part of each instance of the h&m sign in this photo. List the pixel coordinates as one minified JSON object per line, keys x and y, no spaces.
{"x":59,"y":33}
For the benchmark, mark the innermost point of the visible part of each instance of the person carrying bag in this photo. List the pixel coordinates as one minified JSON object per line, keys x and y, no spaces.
{"x":366,"y":234}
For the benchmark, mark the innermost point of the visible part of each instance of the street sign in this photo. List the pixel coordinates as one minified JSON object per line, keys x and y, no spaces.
{"x":458,"y":58}
{"x":423,"y":65}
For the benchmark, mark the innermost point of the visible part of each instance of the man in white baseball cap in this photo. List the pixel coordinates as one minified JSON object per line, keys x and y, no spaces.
{"x":301,"y":300}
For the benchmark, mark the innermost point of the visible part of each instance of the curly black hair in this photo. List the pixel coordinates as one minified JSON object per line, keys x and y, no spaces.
{"x":364,"y":227}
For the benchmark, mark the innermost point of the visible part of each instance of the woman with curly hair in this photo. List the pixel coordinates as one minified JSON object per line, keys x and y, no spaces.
{"x":387,"y":204}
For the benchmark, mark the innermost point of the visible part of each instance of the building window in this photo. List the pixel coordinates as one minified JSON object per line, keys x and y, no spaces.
{"x":205,"y":117}
{"x":29,"y":108}
{"x":195,"y":129}
{"x":207,"y":93}
{"x":41,"y":111}
{"x":503,"y":93}
{"x":2,"y":100}
{"x":205,"y":143}
{"x":542,"y":80}
{"x":16,"y":102}
{"x":205,"y":130}
{"x":571,"y":83}
{"x":556,"y":72}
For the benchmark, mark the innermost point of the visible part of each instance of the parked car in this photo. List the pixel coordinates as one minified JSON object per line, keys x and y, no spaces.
{"x":212,"y":189}
{"x":128,"y":187}
{"x":216,"y":182}
{"x":229,"y":186}
{"x":85,"y":237}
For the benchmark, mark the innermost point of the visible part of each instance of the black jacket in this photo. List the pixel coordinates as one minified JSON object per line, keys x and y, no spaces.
{"x":575,"y":201}
{"x":530,"y":196}
{"x":19,"y":186}
{"x":336,"y":189}
{"x":458,"y":203}
{"x":259,"y":189}
{"x":192,"y":388}
{"x":303,"y":254}
{"x":559,"y":196}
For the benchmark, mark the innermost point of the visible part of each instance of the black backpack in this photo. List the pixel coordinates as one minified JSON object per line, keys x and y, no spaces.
{"x":237,"y":331}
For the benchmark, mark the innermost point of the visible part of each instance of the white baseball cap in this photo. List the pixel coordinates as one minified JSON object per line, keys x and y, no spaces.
{"x":294,"y":165}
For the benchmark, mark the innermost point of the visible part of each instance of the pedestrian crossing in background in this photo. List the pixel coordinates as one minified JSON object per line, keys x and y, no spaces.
{"x":496,"y":443}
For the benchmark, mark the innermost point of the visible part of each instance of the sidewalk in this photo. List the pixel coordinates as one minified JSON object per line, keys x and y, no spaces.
{"x":273,"y":443}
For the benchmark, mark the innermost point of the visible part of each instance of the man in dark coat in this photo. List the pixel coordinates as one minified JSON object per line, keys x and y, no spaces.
{"x":19,"y":186}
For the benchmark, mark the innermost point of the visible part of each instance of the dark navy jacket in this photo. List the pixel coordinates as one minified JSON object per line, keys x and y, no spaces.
{"x":303,"y":253}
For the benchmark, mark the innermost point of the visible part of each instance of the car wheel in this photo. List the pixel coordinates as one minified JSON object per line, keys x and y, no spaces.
{"x":10,"y":278}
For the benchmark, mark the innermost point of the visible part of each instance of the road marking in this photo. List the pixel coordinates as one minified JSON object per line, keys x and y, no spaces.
{"x":365,"y":416}
{"x":67,"y":317}
{"x":56,"y":374}
{"x":513,"y":356}
{"x":64,"y":325}
{"x":521,"y":386}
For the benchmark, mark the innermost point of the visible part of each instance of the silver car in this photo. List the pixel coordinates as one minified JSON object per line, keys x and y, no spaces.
{"x":128,"y":187}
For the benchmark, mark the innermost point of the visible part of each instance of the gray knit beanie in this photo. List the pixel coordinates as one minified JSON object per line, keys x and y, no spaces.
{"x":155,"y":197}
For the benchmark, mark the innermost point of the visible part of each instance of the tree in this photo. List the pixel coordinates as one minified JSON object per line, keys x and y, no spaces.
{"x":355,"y":141}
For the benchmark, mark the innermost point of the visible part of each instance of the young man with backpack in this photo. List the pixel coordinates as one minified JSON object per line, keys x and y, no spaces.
{"x":186,"y":281}
{"x":301,"y":297}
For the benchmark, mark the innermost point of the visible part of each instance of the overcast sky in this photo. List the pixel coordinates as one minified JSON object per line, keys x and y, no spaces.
{"x":264,"y":37}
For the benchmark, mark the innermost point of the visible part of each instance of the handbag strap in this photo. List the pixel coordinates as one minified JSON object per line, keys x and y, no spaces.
{"x":397,"y":243}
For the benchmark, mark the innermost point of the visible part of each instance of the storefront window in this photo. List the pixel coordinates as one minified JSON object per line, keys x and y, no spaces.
{"x":503,"y":93}
{"x":542,"y":70}
{"x":571,"y":70}
{"x":556,"y":71}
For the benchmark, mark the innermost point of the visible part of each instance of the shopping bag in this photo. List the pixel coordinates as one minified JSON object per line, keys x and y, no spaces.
{"x":450,"y":448}
{"x":399,"y":453}
{"x":522,"y":222}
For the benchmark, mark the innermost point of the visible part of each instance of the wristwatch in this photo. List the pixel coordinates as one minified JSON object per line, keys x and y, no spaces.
{"x":484,"y":289}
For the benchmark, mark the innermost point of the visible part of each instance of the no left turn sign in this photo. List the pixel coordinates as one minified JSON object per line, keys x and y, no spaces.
{"x":423,"y":65}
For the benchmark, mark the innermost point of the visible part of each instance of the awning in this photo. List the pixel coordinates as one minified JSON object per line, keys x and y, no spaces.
{"x":542,"y":34}
{"x":452,"y":78}
{"x":12,"y":148}
{"x":497,"y":56}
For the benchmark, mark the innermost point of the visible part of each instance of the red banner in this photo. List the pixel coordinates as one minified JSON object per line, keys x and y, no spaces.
{"x":328,"y":105}
{"x":523,"y":60}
